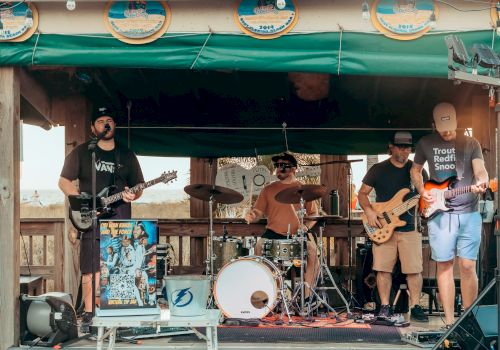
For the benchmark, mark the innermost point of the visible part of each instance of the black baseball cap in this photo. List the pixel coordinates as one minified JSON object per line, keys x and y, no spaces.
{"x":103,"y":111}
{"x":402,"y":138}
{"x":285,"y":156}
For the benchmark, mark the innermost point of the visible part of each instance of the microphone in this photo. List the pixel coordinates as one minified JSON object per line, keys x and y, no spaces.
{"x":107,"y":128}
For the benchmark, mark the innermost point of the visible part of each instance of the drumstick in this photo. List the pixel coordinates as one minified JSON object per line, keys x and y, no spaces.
{"x":251,"y":195}
{"x":250,"y":199}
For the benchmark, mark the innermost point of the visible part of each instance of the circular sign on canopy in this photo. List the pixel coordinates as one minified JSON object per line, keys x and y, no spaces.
{"x":18,"y":19}
{"x":266,"y":19}
{"x":137,"y":22}
{"x":404,"y":19}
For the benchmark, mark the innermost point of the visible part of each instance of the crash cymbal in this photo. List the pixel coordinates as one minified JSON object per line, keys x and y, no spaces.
{"x":219,"y":194}
{"x":293,"y":194}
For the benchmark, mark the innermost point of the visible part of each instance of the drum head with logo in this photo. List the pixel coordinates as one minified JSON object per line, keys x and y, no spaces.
{"x":247,"y":288}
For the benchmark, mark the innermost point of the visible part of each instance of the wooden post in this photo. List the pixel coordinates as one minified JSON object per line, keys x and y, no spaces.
{"x":74,"y":112}
{"x":202,"y":171}
{"x":334,"y":176}
{"x":9,"y":205}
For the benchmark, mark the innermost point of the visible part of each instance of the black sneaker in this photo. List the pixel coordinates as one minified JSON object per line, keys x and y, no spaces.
{"x":417,"y":314}
{"x":385,"y":311}
{"x":86,"y":322}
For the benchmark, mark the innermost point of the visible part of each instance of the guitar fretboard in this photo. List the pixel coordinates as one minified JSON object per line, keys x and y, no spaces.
{"x":456,"y":192}
{"x":117,"y":196}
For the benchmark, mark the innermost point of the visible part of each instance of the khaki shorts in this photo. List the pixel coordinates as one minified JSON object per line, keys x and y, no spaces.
{"x":408,"y":245}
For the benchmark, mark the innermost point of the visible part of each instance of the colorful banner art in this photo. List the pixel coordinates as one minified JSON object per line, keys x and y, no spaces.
{"x":128,"y":264}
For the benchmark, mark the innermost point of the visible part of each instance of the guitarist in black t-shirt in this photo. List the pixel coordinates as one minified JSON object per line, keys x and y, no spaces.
{"x":388,"y":178}
{"x":114,"y":167}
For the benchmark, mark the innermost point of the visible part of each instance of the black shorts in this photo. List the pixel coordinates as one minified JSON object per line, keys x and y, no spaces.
{"x":86,"y":255}
{"x":270,"y":234}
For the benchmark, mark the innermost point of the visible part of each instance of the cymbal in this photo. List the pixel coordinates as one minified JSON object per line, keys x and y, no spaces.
{"x":219,"y":194}
{"x":293,"y":194}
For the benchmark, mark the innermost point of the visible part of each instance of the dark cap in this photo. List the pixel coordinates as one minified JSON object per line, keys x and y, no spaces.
{"x":103,"y":111}
{"x":402,"y":138}
{"x":285,"y":156}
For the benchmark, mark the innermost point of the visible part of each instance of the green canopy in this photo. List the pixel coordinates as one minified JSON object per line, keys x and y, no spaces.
{"x":212,"y":95}
{"x":358,"y":53}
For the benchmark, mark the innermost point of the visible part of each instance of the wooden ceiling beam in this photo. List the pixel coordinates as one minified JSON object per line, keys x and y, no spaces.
{"x":37,"y":96}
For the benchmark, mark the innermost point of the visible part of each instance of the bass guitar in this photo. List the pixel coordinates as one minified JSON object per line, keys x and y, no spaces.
{"x":441,"y":192}
{"x":390,"y":212}
{"x":81,"y":205}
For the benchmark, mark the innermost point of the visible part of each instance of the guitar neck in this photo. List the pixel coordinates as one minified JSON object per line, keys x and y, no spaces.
{"x":403,"y":207}
{"x":456,"y":192}
{"x":117,"y":196}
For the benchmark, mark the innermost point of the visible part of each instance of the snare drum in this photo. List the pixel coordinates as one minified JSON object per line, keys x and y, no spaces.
{"x":248,"y":287}
{"x":283,"y":250}
{"x":227,"y":250}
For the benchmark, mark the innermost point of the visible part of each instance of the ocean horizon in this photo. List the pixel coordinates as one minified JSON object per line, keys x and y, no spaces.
{"x":54,"y":196}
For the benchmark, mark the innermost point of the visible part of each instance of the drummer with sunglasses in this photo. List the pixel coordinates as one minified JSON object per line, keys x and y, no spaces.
{"x":282,"y":219}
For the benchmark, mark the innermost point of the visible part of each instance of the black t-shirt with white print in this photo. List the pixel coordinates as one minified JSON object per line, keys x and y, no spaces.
{"x":77,"y":165}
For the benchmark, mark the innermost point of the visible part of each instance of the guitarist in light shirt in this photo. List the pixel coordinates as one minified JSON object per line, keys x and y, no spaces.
{"x":388,"y":178}
{"x":114,"y":166}
{"x":456,"y":232}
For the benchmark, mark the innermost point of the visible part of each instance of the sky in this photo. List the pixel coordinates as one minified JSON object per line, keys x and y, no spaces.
{"x":43,"y":159}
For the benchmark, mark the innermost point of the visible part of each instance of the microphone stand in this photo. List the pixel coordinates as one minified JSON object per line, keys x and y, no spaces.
{"x":92,"y":148}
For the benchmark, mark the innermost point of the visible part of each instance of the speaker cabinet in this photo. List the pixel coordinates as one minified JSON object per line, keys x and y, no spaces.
{"x":479,"y":329}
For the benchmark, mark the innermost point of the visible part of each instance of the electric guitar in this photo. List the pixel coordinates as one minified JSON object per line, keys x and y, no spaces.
{"x":81,"y":217}
{"x":442,"y":193}
{"x":390,"y":211}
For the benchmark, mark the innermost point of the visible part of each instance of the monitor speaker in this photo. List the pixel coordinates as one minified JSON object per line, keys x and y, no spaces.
{"x":479,"y":329}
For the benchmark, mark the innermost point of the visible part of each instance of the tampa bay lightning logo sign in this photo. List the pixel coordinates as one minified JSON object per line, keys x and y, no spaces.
{"x":182,"y":297}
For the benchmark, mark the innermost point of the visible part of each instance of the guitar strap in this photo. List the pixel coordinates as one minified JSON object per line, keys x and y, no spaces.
{"x":461,"y":145}
{"x":117,"y":167}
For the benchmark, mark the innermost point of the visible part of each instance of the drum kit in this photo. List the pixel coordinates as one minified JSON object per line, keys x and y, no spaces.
{"x":246,"y":286}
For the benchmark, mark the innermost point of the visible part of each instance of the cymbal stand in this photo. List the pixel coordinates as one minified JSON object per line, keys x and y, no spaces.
{"x":284,"y":302}
{"x":320,"y":281}
{"x":210,"y":249}
{"x":302,"y":238}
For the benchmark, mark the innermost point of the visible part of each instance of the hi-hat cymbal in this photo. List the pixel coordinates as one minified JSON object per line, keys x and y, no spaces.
{"x":219,"y":194}
{"x":293,"y":194}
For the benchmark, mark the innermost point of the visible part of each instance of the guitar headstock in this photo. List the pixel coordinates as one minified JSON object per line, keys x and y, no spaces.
{"x":169,"y":176}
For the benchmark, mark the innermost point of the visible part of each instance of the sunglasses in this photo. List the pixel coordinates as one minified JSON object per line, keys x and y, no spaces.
{"x":283,"y":165}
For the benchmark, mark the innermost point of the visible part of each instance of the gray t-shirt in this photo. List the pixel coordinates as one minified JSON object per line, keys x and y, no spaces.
{"x":441,"y":157}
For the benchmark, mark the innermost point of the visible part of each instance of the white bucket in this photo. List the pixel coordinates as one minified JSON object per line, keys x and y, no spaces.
{"x":187,"y":294}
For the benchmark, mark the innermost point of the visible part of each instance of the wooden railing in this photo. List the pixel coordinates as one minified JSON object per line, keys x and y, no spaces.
{"x":42,"y":244}
{"x":42,"y":251}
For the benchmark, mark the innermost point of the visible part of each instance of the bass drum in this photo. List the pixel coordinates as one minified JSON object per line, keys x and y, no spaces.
{"x":248,"y":288}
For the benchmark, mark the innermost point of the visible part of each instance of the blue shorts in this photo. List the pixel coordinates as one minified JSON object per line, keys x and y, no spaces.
{"x":453,"y":235}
